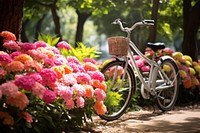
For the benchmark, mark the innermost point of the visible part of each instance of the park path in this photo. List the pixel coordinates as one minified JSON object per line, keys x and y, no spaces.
{"x":185,"y":120}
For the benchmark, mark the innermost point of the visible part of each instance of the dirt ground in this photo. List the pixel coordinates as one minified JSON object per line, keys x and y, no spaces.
{"x":180,"y":120}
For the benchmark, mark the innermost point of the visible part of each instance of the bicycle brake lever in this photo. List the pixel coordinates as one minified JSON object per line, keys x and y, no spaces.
{"x":116,"y":21}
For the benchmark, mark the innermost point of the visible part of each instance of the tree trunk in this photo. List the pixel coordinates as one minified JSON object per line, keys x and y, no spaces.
{"x":11,"y":17}
{"x":56,"y":19}
{"x":82,"y":17}
{"x":39,"y":25}
{"x":154,"y":16}
{"x":23,"y":34}
{"x":191,"y":19}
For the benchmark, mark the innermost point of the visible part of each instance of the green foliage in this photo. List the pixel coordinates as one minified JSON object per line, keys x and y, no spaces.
{"x":93,"y":6}
{"x":82,"y":52}
{"x":112,"y":98}
{"x":51,"y":40}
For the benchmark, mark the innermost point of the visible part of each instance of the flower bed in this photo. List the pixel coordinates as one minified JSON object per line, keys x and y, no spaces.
{"x":42,"y":91}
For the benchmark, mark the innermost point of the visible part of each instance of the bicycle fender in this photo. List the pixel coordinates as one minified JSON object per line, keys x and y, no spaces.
{"x":164,"y":58}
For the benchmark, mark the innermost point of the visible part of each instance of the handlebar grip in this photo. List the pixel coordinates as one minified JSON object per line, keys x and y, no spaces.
{"x":116,"y":21}
{"x":148,"y":22}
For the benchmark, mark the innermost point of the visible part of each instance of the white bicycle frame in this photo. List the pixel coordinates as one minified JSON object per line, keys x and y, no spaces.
{"x":150,"y":85}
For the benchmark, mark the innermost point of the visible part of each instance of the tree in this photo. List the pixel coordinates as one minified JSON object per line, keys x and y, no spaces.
{"x":86,"y":8}
{"x":154,"y":16}
{"x":191,"y":23}
{"x":42,"y":8}
{"x":11,"y":17}
{"x":129,"y":12}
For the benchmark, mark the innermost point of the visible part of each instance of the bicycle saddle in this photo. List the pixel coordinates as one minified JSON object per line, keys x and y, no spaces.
{"x":156,"y":46}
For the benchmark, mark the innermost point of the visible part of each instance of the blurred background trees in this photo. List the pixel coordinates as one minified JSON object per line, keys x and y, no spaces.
{"x":89,"y":21}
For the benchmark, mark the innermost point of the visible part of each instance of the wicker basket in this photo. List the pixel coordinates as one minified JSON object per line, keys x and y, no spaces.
{"x":118,"y":45}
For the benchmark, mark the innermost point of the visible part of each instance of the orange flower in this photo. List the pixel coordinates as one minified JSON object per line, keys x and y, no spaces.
{"x":59,"y":70}
{"x":68,"y":69}
{"x":187,"y":83}
{"x":7,"y":119}
{"x":23,"y":58}
{"x":8,"y":35}
{"x":28,"y":65}
{"x":89,"y":91}
{"x":98,"y":84}
{"x":100,"y":108}
{"x":14,"y":66}
{"x":20,"y":101}
{"x":88,"y":66}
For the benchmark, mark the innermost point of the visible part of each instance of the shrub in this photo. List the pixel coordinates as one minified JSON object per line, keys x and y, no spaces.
{"x":43,"y":91}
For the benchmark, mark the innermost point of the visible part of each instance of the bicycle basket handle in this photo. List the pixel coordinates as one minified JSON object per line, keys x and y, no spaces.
{"x":148,"y":22}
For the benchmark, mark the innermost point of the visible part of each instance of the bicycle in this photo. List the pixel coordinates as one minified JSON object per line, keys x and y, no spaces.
{"x":159,"y":82}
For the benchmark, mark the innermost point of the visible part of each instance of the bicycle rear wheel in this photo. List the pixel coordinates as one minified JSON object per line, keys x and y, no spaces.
{"x":166,"y":98}
{"x":119,"y":90}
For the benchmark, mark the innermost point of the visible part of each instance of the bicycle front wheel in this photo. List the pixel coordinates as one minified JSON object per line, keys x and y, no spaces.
{"x":166,"y":98}
{"x":120,"y":81}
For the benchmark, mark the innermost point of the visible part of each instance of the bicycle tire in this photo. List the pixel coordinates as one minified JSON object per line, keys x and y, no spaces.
{"x":117,"y":99}
{"x":169,"y":95}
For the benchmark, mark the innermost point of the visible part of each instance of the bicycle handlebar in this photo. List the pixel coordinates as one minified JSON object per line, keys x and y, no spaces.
{"x":126,"y":29}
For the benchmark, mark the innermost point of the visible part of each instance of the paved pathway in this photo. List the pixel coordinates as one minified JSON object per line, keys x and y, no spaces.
{"x":178,"y":121}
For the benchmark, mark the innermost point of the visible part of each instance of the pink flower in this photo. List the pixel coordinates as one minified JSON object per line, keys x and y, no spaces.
{"x":89,"y":60}
{"x":14,"y":54}
{"x":73,"y":59}
{"x":26,"y":116}
{"x":2,"y":73}
{"x":80,"y":102}
{"x":48,"y":75}
{"x":70,"y":104}
{"x":12,"y":45}
{"x":50,"y":62}
{"x":145,"y":68}
{"x":5,"y":58}
{"x":168,"y":51}
{"x":38,"y":90}
{"x":79,"y":89}
{"x":83,"y":78}
{"x":37,"y":54}
{"x":136,"y":57}
{"x":25,"y":82}
{"x":60,"y":59}
{"x":65,"y":92}
{"x":53,"y":49}
{"x":68,"y":79}
{"x":100,"y":94}
{"x":40,"y":44}
{"x":27,"y":46}
{"x":96,"y":75}
{"x":9,"y":89}
{"x":37,"y":77}
{"x":49,"y":96}
{"x":63,"y":44}
{"x":76,"y":67}
{"x":139,"y":63}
